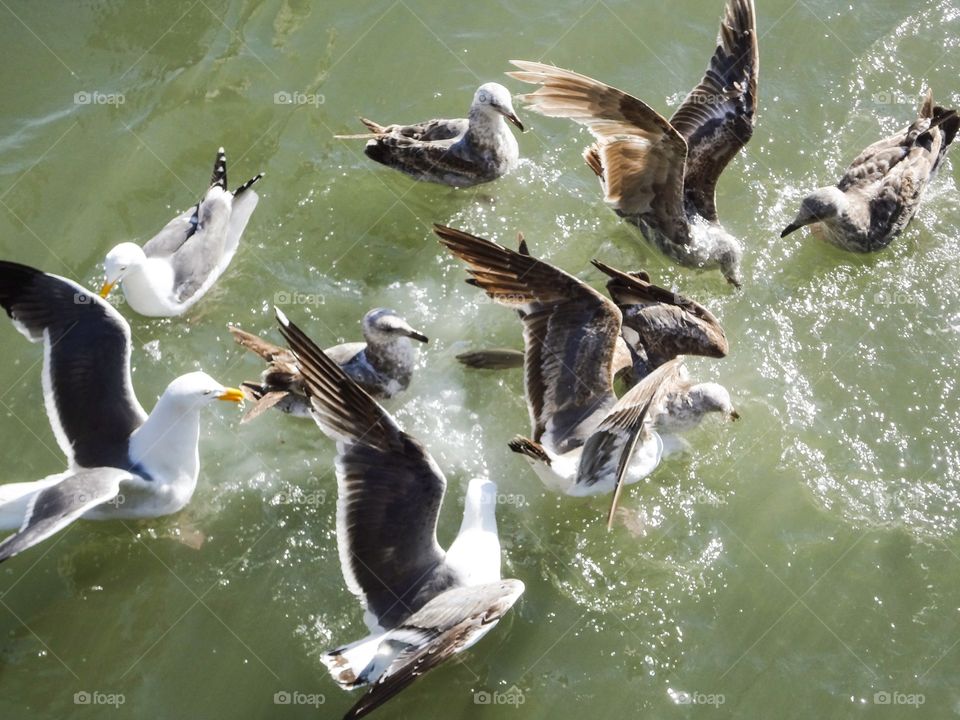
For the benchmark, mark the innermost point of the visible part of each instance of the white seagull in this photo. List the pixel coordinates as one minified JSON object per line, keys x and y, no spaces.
{"x":121,"y":462}
{"x":661,"y":175}
{"x":423,"y":605}
{"x":176,"y":268}
{"x":459,"y":152}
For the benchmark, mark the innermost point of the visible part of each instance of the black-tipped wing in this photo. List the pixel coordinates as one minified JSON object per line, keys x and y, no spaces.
{"x":639,"y":156}
{"x":445,"y":626}
{"x":667,"y":323}
{"x":718,"y":115}
{"x":390,"y":489}
{"x":86,"y":372}
{"x":570,"y":334}
{"x":55,"y":507}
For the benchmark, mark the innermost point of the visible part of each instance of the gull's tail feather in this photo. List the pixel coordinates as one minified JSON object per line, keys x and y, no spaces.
{"x":219,"y":176}
{"x":504,"y":359}
{"x":354,"y":665}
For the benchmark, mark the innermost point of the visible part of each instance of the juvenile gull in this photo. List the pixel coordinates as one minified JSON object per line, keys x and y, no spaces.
{"x":662,"y":175}
{"x":121,"y":463}
{"x":460,"y":152}
{"x":583,"y":437}
{"x":880,"y":192}
{"x":422,"y":605}
{"x":176,"y":268}
{"x":657,"y":326}
{"x":382,"y":365}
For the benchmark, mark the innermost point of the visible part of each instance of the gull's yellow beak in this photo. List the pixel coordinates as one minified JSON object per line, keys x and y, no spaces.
{"x":105,"y":290}
{"x":232,"y":395}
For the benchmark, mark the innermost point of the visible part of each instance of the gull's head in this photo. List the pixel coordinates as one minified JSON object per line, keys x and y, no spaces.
{"x":119,"y":262}
{"x":198,"y":388}
{"x":382,"y":325}
{"x":482,"y":492}
{"x":728,"y":255}
{"x":821,"y":205}
{"x":494,"y":98}
{"x":713,"y":397}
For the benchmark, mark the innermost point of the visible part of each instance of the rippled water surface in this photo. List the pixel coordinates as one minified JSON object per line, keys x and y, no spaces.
{"x":801,"y":563}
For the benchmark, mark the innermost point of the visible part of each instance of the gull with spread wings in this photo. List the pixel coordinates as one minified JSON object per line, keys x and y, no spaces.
{"x":423,"y":604}
{"x":660,"y":174}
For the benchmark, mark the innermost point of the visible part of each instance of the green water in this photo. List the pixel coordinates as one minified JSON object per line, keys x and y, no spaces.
{"x":794,"y":566}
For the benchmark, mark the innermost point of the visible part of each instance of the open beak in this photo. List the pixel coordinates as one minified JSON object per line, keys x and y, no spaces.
{"x":512,"y":117}
{"x":734,"y":416}
{"x":106,"y":288}
{"x":792,"y":227}
{"x":413,"y":334}
{"x":232,"y":395}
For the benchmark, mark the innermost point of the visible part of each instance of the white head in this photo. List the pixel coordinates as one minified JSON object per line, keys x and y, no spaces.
{"x":823,"y":204}
{"x":713,"y":397}
{"x":493,"y":98}
{"x":382,"y":325}
{"x":119,"y":262}
{"x":197,"y":389}
{"x":728,"y":254}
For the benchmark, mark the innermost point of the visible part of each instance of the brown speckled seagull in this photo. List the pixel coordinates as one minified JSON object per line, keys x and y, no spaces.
{"x":880,"y":192}
{"x":459,"y":152}
{"x":660,"y":174}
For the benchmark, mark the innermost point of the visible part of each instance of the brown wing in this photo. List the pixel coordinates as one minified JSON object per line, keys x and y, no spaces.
{"x":668,"y":323}
{"x":570,"y":334}
{"x":639,"y":154}
{"x":718,"y":115}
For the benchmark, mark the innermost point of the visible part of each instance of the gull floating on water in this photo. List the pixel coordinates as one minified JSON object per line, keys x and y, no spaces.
{"x":423,"y":605}
{"x":662,"y":175}
{"x":176,"y":268}
{"x":459,"y":152}
{"x":583,"y":437}
{"x":122,"y":463}
{"x":382,"y":365}
{"x":880,"y":192}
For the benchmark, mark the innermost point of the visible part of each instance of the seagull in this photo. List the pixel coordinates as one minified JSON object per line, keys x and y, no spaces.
{"x":423,"y":605}
{"x":121,"y":462}
{"x":880,"y":192}
{"x":176,"y":268}
{"x":382,"y":366}
{"x":460,"y":152}
{"x":583,"y":437}
{"x":660,"y":174}
{"x":657,"y":326}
